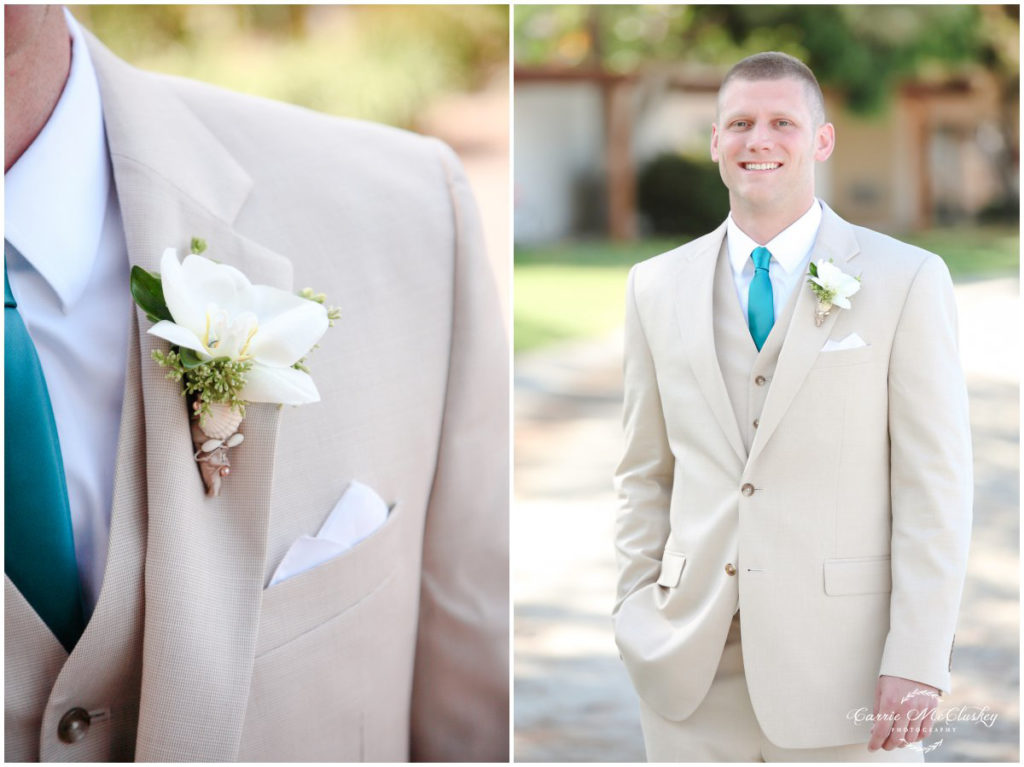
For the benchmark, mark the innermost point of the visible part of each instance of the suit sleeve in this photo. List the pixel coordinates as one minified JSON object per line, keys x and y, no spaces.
{"x":931,"y":482}
{"x":644,"y":475}
{"x":460,"y":685}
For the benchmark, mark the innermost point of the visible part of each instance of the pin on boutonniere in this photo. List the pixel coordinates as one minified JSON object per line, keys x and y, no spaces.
{"x":232,"y":343}
{"x":832,"y":286}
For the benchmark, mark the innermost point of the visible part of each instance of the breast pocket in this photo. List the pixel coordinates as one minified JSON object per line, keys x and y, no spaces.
{"x":299,"y":604}
{"x":845,"y":357}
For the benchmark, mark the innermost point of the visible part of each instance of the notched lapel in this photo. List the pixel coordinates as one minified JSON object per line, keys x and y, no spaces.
{"x":204,"y":556}
{"x":804,"y":339}
{"x":695,"y":280}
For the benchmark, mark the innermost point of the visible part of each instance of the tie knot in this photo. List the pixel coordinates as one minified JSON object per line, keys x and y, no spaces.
{"x":762,"y":257}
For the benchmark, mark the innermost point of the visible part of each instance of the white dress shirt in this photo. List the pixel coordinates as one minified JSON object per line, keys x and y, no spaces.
{"x":61,"y":212}
{"x":791,"y":254}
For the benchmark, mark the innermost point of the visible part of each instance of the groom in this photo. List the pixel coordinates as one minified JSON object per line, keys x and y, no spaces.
{"x":171,"y":640}
{"x":796,"y":485}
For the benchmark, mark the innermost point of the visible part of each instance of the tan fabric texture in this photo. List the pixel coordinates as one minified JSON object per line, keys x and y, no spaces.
{"x":396,"y":649}
{"x":725,"y":729}
{"x":850,"y":539}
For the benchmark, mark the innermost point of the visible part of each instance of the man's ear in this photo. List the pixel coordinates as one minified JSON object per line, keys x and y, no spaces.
{"x":824,"y":142}
{"x":714,"y":142}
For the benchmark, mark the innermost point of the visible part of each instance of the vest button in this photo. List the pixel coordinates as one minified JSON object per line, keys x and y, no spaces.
{"x":747,"y":489}
{"x":729,"y":569}
{"x":760,"y":380}
{"x":757,"y":421}
{"x":73,"y":725}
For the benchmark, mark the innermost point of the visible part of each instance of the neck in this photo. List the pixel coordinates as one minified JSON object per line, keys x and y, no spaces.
{"x":37,"y":61}
{"x":761,"y":225}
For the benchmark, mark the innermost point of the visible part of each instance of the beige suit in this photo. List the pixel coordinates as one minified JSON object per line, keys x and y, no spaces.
{"x":396,"y":649}
{"x":839,"y":528}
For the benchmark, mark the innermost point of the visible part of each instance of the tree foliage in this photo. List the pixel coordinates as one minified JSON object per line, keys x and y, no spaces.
{"x":861,"y":51}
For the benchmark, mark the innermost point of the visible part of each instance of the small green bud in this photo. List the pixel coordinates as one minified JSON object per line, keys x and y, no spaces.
{"x":198,"y":245}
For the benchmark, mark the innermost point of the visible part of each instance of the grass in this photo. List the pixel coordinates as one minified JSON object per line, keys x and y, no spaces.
{"x":576,"y":290}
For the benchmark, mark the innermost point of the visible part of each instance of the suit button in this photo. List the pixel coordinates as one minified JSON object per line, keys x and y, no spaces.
{"x":747,"y":489}
{"x":73,"y":725}
{"x":757,"y":422}
{"x":760,"y":380}
{"x":729,"y":569}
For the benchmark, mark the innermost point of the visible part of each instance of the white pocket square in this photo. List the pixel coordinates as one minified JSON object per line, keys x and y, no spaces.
{"x":852,"y":341}
{"x":357,"y":513}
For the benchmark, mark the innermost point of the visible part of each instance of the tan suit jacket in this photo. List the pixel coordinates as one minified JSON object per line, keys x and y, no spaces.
{"x":396,"y":649}
{"x":848,"y":521}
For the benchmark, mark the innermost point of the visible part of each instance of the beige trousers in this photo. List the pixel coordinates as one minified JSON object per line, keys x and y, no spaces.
{"x":725,"y":729}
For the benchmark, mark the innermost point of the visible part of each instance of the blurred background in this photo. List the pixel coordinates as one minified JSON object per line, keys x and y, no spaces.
{"x":612,"y":117}
{"x":439,"y":70}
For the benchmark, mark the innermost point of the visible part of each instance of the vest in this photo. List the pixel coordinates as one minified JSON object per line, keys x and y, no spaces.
{"x":748,"y":373}
{"x":90,"y":698}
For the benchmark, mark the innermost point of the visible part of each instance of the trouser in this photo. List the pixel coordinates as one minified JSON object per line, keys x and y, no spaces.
{"x":725,"y":729}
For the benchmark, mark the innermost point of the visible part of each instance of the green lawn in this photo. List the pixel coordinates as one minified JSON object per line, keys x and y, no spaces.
{"x":576,"y":290}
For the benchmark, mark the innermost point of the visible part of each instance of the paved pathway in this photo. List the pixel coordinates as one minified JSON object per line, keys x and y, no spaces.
{"x":573,"y":701}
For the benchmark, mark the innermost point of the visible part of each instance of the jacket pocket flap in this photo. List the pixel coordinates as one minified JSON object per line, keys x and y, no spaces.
{"x":860,"y":575}
{"x":672,"y":564}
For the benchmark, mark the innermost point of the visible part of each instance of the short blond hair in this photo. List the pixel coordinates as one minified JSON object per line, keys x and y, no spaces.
{"x":773,"y":65}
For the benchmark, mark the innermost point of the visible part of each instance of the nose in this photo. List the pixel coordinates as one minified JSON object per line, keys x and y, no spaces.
{"x":759,"y":137}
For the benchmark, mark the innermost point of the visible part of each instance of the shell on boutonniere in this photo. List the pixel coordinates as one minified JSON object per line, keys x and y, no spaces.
{"x":213,"y":434}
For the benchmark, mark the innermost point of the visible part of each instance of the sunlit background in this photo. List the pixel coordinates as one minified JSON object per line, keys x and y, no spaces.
{"x":613,"y":110}
{"x":440,"y":70}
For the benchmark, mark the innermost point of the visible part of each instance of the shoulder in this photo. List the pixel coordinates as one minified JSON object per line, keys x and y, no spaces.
{"x":271,"y":138}
{"x":902,"y":262}
{"x":654,"y":271}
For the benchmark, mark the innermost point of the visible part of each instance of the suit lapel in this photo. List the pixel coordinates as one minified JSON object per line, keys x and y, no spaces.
{"x":204,"y":556}
{"x":694,"y":314}
{"x":804,"y":340}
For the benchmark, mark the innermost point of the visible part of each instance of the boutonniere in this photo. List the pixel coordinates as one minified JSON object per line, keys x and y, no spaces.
{"x":232,"y":343}
{"x":832,"y":287}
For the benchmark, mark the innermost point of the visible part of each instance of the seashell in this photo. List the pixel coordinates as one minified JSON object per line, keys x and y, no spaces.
{"x":234,"y":439}
{"x":210,"y":445}
{"x":221,"y":422}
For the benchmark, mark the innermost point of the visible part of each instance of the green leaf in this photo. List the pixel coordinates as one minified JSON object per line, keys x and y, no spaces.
{"x":813,"y":269}
{"x":148,"y":293}
{"x":189,"y":359}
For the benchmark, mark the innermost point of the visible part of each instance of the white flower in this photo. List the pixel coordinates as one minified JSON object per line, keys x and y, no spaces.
{"x":836,"y":285}
{"x":217,"y":313}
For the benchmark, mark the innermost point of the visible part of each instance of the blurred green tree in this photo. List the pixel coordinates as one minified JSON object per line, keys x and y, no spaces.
{"x":860,"y":51}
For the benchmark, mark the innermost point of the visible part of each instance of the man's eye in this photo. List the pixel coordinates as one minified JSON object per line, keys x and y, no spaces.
{"x":784,"y":123}
{"x":740,"y":124}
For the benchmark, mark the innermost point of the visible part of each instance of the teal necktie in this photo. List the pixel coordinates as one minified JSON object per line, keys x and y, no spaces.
{"x":760,"y":303}
{"x":39,"y":548}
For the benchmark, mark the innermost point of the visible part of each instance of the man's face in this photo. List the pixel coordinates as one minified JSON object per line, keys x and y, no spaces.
{"x":766,"y":143}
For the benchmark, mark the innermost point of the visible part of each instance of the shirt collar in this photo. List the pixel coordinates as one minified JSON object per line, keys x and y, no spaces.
{"x":55,"y":195}
{"x":789,"y":248}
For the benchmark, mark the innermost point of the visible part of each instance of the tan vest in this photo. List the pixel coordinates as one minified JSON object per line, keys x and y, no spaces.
{"x":748,"y":373}
{"x":93,"y":695}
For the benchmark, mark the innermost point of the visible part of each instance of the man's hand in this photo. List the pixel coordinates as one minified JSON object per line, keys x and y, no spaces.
{"x":903,"y":710}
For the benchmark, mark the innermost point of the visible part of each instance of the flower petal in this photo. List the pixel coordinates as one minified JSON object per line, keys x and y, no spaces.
{"x":178,"y":335}
{"x":841,"y":301}
{"x":219,"y":284}
{"x":179,"y":295}
{"x":280,"y":385}
{"x":284,"y":338}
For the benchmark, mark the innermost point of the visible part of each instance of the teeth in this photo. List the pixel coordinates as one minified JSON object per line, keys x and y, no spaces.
{"x":761,"y":165}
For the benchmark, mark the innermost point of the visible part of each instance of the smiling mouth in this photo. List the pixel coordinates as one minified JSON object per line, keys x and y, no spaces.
{"x":760,"y":165}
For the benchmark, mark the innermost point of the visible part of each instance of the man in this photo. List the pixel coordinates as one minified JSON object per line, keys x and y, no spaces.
{"x":796,"y":484}
{"x":394,"y":649}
